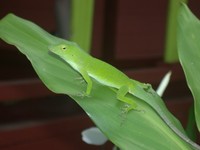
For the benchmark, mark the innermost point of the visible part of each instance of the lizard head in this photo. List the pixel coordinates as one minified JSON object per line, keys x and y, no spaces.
{"x":69,"y":52}
{"x":59,"y":49}
{"x":64,"y":49}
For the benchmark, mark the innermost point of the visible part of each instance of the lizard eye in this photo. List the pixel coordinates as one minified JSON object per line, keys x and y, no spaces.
{"x":63,"y":47}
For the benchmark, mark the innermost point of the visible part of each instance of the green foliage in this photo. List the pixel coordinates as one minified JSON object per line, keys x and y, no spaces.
{"x":138,"y":130}
{"x":82,"y":23}
{"x":171,"y":54}
{"x":189,"y":53}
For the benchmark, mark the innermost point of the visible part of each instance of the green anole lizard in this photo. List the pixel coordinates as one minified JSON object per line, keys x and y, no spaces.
{"x":90,"y":67}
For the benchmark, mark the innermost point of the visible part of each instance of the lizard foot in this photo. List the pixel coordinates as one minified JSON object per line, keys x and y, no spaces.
{"x":80,"y":80}
{"x":82,"y":95}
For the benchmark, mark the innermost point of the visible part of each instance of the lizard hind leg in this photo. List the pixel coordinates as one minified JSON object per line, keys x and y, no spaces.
{"x":130,"y":104}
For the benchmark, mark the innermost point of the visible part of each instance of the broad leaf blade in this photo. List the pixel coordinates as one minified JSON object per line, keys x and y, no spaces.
{"x":189,"y":53}
{"x":140,"y":130}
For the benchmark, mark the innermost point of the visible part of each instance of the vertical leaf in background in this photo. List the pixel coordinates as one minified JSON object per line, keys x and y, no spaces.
{"x":171,"y":55}
{"x":82,"y":22}
{"x":189,"y":53}
{"x":191,"y":128}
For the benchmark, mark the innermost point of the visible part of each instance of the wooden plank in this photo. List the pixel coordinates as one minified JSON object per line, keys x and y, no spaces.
{"x":22,"y":89}
{"x":40,"y":12}
{"x":54,"y":134}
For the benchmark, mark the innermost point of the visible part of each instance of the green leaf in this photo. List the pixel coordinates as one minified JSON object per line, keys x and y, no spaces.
{"x":81,"y":23}
{"x":138,"y":130}
{"x":189,"y":53}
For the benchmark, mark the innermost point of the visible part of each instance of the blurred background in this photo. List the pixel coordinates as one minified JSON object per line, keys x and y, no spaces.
{"x":135,"y":36}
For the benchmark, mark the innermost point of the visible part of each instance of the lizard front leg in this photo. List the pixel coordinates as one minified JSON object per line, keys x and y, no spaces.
{"x":121,"y":95}
{"x":88,"y":80}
